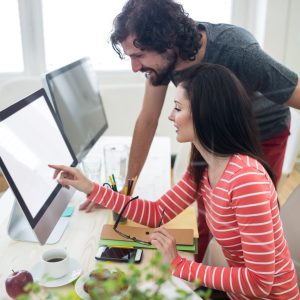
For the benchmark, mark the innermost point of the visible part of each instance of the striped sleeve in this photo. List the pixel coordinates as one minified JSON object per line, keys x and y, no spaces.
{"x":252,"y":206}
{"x":144,"y":211}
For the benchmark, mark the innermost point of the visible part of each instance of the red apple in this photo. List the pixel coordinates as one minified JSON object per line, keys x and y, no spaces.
{"x":16,"y":282}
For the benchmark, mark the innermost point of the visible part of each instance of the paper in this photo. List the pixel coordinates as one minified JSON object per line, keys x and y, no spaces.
{"x":185,"y":220}
{"x":182,"y":236}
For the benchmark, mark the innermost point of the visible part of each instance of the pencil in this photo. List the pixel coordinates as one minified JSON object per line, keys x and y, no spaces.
{"x":125,"y":190}
{"x":134,"y":183}
{"x":111,"y":180}
{"x":113,"y":183}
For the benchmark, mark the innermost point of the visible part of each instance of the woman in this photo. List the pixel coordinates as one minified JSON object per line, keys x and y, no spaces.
{"x":232,"y":185}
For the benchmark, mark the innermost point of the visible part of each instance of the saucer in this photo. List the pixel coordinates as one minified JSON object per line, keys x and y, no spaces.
{"x":37,"y":273}
{"x":79,"y":287}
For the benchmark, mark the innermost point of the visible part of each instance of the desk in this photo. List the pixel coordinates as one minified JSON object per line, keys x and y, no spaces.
{"x":82,"y":235}
{"x":155,"y":178}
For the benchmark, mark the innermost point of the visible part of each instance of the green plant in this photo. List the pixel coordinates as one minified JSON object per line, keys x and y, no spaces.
{"x":135,"y":284}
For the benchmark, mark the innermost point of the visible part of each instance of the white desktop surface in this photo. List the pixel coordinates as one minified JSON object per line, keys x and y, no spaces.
{"x":81,"y":237}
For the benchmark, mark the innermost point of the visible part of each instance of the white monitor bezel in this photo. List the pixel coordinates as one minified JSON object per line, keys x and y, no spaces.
{"x":49,"y":77}
{"x":48,"y":215}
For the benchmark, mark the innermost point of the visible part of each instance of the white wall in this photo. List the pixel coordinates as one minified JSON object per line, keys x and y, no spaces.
{"x":123,"y":102}
{"x":282,"y":38}
{"x":275,"y":24}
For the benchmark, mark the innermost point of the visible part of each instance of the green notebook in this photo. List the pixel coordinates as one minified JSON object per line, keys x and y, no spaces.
{"x":111,"y":243}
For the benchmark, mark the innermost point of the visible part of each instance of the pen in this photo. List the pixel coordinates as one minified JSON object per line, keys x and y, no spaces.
{"x":113,"y":177}
{"x":114,"y":183}
{"x":130,"y":182}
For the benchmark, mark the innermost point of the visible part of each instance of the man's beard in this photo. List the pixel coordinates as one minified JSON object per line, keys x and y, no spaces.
{"x":162,"y":76}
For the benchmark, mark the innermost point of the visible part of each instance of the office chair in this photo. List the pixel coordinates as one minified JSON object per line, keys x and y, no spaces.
{"x":289,"y":214}
{"x":214,"y":255}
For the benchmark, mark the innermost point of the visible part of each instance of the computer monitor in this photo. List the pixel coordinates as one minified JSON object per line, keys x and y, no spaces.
{"x":74,"y":92}
{"x":31,"y":138}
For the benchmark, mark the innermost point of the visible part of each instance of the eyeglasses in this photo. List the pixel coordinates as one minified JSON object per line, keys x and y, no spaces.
{"x":127,"y":236}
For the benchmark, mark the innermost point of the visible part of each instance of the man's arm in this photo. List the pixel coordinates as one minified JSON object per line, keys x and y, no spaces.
{"x":144,"y":131}
{"x":294,"y":100}
{"x":145,"y":127}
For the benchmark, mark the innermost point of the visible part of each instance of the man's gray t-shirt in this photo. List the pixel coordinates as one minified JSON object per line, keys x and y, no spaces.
{"x":268,"y":83}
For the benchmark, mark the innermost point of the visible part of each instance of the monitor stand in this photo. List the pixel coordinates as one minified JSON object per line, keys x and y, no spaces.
{"x":20,"y":230}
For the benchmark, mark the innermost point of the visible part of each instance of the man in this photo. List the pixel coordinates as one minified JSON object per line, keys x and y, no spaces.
{"x":161,"y":41}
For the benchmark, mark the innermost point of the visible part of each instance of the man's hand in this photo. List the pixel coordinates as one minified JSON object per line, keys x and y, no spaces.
{"x":68,"y":176}
{"x":165,"y":243}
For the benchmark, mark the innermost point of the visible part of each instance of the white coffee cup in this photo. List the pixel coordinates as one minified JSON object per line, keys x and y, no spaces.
{"x":55,"y":263}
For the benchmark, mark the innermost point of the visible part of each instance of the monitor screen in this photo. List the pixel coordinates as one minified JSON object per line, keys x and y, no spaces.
{"x":31,"y":138}
{"x":74,"y":92}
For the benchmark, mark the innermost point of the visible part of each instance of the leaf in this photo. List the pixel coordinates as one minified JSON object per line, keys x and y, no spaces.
{"x":127,"y":285}
{"x":23,"y":297}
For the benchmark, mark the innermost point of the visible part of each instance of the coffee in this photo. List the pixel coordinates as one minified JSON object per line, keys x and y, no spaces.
{"x":56,"y":259}
{"x":55,"y":263}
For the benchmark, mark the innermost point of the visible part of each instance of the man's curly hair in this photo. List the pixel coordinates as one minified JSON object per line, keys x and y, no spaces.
{"x":157,"y":25}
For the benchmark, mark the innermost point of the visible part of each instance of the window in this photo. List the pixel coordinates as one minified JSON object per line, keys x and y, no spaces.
{"x":57,"y":32}
{"x":205,"y":10}
{"x":73,"y":29}
{"x":11,"y":59}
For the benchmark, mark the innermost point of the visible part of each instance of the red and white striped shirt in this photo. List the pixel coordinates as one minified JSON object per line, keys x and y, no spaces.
{"x":241,"y":212}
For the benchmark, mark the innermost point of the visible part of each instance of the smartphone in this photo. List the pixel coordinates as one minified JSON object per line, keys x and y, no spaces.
{"x":119,"y":254}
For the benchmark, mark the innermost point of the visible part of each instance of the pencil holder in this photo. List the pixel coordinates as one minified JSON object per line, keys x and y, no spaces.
{"x":115,"y":162}
{"x":123,"y":220}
